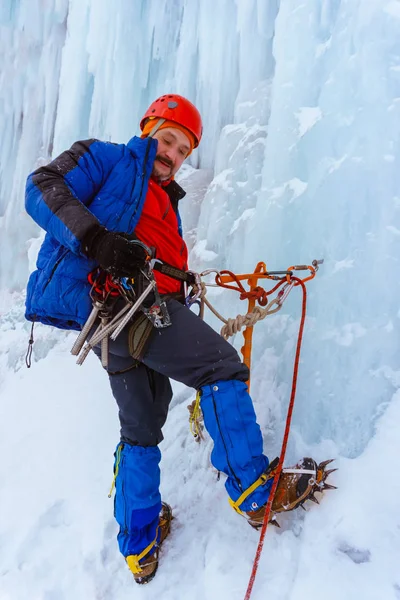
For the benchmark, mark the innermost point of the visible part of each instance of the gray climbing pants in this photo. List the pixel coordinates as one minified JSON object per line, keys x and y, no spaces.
{"x":189,"y":351}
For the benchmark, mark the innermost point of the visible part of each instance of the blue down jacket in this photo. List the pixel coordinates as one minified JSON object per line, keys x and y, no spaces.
{"x":93,"y":182}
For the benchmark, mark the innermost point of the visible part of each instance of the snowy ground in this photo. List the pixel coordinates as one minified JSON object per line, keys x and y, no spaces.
{"x":59,"y":427}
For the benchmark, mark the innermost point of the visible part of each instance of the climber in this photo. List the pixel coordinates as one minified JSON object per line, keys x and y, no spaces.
{"x":92,"y":201}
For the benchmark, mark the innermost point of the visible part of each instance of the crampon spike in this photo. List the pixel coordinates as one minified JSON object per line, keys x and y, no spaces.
{"x":322,"y":475}
{"x":326,"y":473}
{"x":273,"y":521}
{"x":323,"y":464}
{"x":313,"y":499}
{"x":328,"y":486}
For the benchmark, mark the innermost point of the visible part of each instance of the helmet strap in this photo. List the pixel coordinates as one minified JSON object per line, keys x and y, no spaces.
{"x":156,"y":127}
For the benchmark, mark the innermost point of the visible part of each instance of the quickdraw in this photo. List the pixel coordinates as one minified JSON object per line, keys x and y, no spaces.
{"x":103,"y":284}
{"x":105,"y":291}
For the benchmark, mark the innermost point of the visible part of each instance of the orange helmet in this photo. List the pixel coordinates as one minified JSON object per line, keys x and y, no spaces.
{"x":176,"y":108}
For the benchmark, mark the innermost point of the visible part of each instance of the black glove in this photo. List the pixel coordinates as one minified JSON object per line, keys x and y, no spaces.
{"x":115,"y":253}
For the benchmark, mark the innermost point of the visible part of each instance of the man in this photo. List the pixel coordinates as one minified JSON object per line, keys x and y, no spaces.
{"x":91,"y":200}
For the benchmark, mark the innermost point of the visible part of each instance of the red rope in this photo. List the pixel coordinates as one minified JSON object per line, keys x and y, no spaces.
{"x":284,"y":443}
{"x":238,"y":288}
{"x":258,"y":293}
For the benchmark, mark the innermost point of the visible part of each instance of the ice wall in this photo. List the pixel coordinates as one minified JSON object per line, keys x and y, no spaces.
{"x":73,"y":69}
{"x":326,"y":185}
{"x":31,"y":43}
{"x":301,"y":113}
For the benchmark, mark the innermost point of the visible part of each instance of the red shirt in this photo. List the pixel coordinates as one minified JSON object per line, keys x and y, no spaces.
{"x":158,"y":227}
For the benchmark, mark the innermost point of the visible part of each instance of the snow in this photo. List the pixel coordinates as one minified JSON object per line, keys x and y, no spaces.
{"x":295,"y":185}
{"x":307,"y":116}
{"x":300,"y":160}
{"x":247,"y":214}
{"x":201,"y":252}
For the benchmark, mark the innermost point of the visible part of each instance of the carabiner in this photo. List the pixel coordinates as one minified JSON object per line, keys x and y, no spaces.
{"x":284,"y":293}
{"x":191,"y":299}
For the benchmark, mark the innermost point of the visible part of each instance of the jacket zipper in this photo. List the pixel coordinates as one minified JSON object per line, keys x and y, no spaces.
{"x":124,"y":501}
{"x":143,"y":178}
{"x":223,"y":441}
{"x":55,"y":268}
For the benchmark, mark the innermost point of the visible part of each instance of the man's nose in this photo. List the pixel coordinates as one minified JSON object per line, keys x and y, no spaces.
{"x":170,"y":153}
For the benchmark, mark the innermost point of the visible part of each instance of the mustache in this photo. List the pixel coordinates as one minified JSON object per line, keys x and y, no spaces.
{"x":165,"y":160}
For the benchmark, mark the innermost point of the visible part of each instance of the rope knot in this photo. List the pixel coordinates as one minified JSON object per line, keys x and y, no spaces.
{"x":258,"y":293}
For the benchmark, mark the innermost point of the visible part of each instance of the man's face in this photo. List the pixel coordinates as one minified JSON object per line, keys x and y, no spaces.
{"x":173,"y":148}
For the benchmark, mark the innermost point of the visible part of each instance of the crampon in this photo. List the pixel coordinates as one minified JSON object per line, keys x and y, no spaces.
{"x":144,"y":567}
{"x":296,"y":485}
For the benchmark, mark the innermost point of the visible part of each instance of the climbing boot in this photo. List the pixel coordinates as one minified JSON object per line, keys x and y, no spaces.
{"x":145,"y":567}
{"x":296,"y":485}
